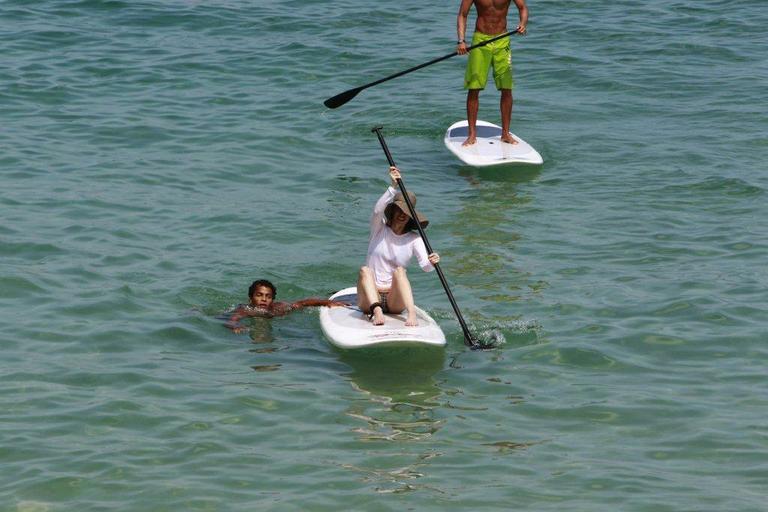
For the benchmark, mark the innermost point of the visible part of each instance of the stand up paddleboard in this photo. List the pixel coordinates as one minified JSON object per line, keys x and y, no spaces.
{"x":488,"y":150}
{"x":349,"y":328}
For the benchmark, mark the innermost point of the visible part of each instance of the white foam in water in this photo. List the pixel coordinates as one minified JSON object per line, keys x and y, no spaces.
{"x":492,"y":337}
{"x":493,"y":334}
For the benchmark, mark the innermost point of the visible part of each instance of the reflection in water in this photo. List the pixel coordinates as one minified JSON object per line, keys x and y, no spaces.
{"x":488,"y":248}
{"x":398,"y":480}
{"x":401,"y":392}
{"x":399,"y":398}
{"x":508,"y":446}
{"x":505,"y":173}
{"x":260,"y":330}
{"x":266,"y":367}
{"x":485,"y":227}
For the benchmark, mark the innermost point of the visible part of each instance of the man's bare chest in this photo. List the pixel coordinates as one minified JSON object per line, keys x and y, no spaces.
{"x":492,"y":5}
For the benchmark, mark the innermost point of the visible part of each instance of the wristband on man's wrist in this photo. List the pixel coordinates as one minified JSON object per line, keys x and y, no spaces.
{"x":460,"y":41}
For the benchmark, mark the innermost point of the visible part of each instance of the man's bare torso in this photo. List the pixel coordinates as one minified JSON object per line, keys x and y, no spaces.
{"x":491,"y":16}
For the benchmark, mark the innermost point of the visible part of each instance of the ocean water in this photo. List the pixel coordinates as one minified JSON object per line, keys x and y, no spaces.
{"x":157,"y":156}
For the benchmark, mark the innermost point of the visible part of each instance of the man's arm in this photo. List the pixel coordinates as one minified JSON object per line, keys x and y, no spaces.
{"x":309,"y":303}
{"x":523,"y":10}
{"x":234,"y":321}
{"x":461,"y":25}
{"x":276,"y":309}
{"x":245,"y":312}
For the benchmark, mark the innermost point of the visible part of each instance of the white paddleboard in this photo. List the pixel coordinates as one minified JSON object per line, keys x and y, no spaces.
{"x":488,"y":150}
{"x":348,"y":327}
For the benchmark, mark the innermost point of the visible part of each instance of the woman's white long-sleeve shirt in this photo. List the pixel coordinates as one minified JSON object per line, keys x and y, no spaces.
{"x":387,"y":250}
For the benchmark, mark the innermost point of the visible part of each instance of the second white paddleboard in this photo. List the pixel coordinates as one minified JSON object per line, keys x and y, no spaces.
{"x":489,"y":149}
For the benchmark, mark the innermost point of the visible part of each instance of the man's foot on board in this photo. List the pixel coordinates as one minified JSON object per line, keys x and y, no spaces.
{"x":469,"y":141}
{"x":509,"y":139}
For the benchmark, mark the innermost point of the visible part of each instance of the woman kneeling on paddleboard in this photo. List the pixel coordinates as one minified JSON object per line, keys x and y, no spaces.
{"x":382,"y":286}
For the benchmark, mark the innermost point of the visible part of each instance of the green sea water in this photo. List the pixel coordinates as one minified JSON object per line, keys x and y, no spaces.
{"x":157,"y":156}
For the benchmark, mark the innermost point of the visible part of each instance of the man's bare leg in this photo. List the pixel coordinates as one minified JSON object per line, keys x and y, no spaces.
{"x":505,"y":105}
{"x":473,"y":104}
{"x":401,"y":296}
{"x":367,"y":294}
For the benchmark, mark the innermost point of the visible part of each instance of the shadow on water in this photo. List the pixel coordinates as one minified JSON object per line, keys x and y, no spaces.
{"x":260,"y":331}
{"x":400,"y":391}
{"x":504,"y":173}
{"x":485,"y":226}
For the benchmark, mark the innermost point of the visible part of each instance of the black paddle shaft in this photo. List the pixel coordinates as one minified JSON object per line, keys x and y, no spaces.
{"x":469,"y":340}
{"x":344,"y":97}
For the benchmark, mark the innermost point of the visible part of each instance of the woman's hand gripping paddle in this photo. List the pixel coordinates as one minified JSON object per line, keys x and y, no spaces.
{"x":469,"y":340}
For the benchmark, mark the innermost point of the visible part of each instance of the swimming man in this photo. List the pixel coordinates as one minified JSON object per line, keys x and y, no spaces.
{"x":261,"y":297}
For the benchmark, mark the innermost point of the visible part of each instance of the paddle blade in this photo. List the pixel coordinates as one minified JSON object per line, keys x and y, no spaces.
{"x":477,"y":344}
{"x":342,"y":98}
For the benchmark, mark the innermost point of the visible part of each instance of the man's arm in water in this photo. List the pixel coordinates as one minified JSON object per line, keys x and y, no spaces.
{"x":243,"y":312}
{"x":276,"y":309}
{"x":234,"y":321}
{"x":310,"y":303}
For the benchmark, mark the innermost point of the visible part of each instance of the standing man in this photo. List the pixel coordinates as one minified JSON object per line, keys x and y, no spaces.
{"x":491,"y":21}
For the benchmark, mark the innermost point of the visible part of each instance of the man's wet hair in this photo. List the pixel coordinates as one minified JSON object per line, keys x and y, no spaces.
{"x":261,"y":282}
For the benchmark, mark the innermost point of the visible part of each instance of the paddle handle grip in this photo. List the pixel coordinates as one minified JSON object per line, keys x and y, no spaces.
{"x":469,"y":340}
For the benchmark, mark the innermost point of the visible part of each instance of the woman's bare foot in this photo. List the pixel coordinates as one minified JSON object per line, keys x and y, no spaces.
{"x":470,"y":140}
{"x":378,"y":316}
{"x":411,"y":320}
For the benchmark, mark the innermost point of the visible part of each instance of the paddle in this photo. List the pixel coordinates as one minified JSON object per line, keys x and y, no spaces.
{"x":341,"y":99}
{"x":469,"y":340}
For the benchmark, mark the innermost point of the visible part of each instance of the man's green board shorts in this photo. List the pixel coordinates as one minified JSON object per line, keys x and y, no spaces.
{"x":498,"y":54}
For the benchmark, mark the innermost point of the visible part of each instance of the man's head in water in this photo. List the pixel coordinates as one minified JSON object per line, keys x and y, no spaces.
{"x":262,"y":304}
{"x":261,"y":293}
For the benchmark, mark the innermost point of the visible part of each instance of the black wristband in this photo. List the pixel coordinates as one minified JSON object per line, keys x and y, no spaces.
{"x":461,"y":41}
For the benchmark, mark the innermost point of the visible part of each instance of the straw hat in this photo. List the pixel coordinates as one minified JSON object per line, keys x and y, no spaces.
{"x":399,"y":201}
